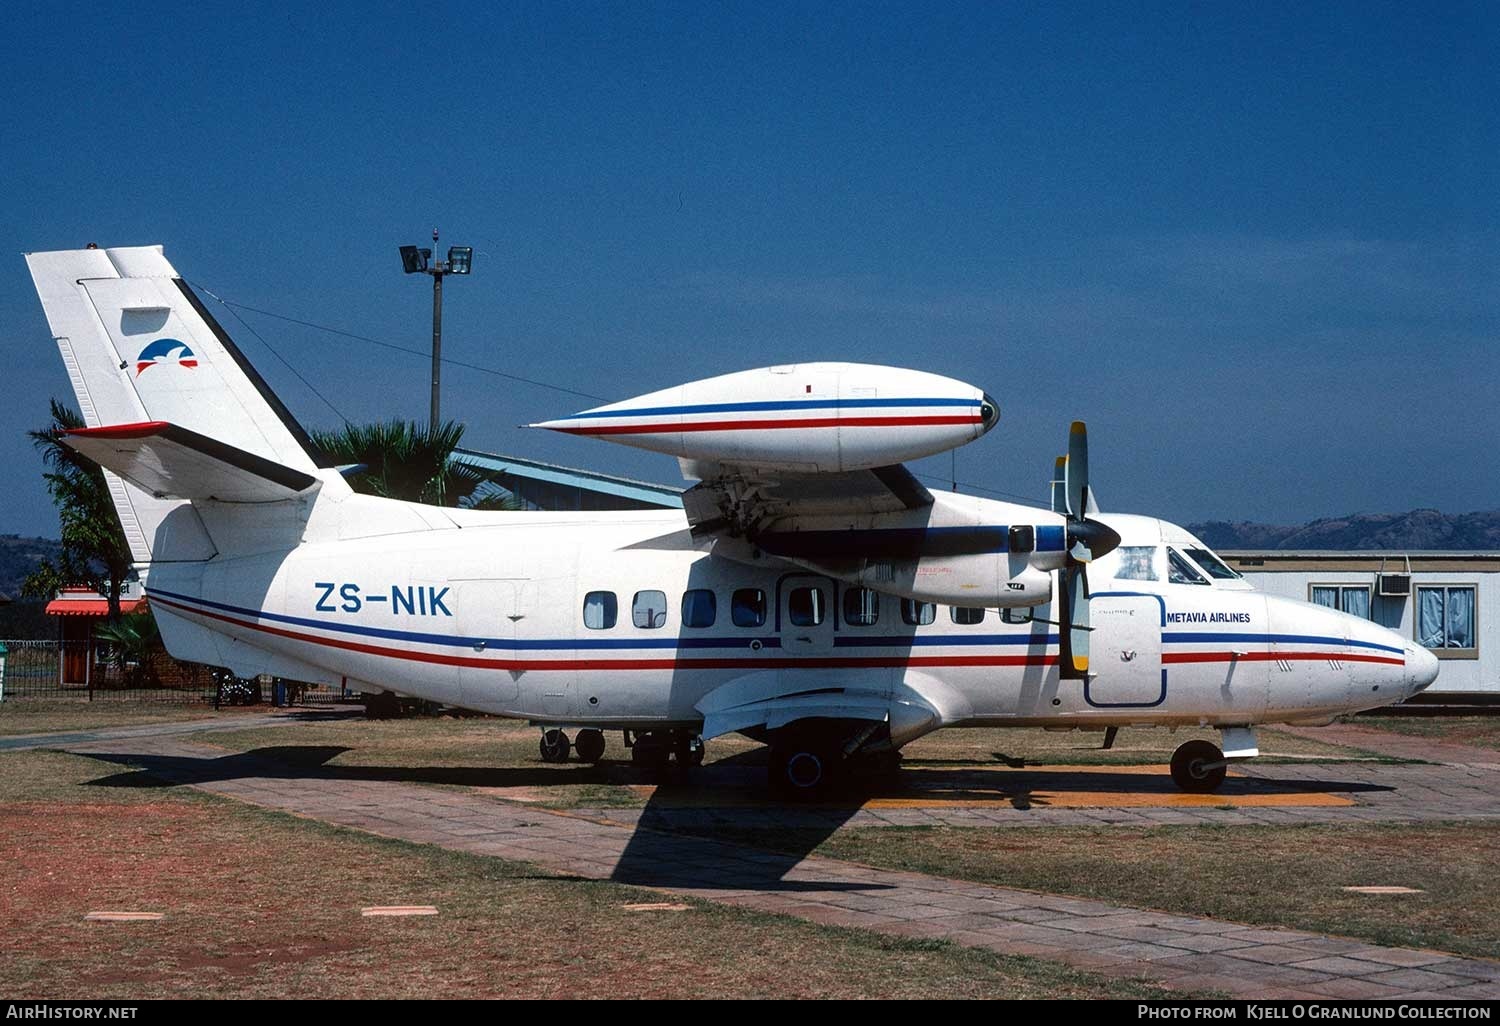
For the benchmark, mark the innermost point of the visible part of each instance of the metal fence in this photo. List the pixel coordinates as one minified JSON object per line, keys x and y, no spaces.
{"x":91,"y":672}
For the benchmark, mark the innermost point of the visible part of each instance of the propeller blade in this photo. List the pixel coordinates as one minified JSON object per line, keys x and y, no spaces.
{"x":1074,"y":639}
{"x":1077,"y":468}
{"x":1078,"y":616}
{"x":1060,"y":485}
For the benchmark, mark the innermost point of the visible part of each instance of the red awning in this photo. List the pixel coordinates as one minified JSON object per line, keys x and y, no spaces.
{"x":91,"y":607}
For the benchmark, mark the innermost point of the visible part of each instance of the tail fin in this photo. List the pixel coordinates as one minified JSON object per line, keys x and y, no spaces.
{"x":140,"y":347}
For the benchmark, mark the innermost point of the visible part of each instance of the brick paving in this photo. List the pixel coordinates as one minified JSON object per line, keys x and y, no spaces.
{"x":1401,"y":746}
{"x":1183,"y":952}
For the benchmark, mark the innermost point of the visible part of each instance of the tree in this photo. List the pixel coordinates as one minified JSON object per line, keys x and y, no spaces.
{"x":135,"y":644}
{"x":404,"y":460}
{"x":94,"y":550}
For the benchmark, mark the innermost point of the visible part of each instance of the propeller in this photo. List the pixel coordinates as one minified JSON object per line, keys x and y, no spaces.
{"x":1087,"y":540}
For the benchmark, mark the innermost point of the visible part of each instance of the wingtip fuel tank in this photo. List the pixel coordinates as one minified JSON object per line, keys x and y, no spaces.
{"x":809,"y":417}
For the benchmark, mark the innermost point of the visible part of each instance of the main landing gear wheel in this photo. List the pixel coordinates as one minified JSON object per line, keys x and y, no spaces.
{"x":555,"y":745}
{"x":1198,"y":767}
{"x":589,"y":744}
{"x":803,"y":767}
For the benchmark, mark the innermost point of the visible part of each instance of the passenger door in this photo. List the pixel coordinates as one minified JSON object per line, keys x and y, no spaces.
{"x":1125,"y":652}
{"x":805,"y":616}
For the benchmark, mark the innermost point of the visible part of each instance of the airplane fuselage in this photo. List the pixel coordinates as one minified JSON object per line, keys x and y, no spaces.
{"x":604,"y":620}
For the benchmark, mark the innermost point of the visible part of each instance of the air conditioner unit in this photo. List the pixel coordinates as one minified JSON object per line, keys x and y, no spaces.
{"x":1393,"y":584}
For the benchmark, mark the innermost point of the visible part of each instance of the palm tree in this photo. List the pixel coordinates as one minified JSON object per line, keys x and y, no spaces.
{"x":94,"y":550}
{"x":404,"y":460}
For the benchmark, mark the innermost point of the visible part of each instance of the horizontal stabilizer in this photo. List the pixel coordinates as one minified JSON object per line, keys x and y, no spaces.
{"x":170,"y":461}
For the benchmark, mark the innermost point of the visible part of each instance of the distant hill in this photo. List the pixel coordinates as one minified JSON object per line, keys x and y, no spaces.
{"x":19,"y":556}
{"x":1419,"y":529}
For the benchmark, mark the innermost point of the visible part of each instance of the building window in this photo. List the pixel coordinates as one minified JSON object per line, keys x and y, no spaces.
{"x":804,"y":607}
{"x":649,"y":609}
{"x":917,"y":614}
{"x":1353,"y":599}
{"x":966,"y":614}
{"x":861,"y":607}
{"x":600,"y":608}
{"x":747,"y":607}
{"x":699,"y":608}
{"x":1445,"y":617}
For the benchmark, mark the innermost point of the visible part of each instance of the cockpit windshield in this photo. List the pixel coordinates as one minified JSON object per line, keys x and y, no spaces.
{"x":1212,"y":565}
{"x":1180,"y":570}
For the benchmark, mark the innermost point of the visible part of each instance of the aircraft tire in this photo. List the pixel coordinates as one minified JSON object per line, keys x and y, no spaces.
{"x":803,"y":767}
{"x":589,"y":744}
{"x":554,"y":746}
{"x":1187,"y":767}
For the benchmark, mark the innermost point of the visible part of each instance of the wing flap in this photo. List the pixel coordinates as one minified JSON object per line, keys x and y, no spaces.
{"x":744,"y":499}
{"x":170,"y":461}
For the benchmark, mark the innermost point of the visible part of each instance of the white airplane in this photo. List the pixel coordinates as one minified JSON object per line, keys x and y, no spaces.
{"x":813,"y":594}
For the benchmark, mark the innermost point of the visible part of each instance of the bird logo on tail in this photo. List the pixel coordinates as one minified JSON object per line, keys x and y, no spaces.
{"x":165,"y":351}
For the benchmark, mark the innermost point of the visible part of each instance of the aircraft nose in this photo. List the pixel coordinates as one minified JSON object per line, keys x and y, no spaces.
{"x":1421,"y":667}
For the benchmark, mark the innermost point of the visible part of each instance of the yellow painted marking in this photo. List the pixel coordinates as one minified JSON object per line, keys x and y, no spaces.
{"x":1384,"y":890}
{"x":125,"y":917}
{"x":1054,"y":787}
{"x":656,"y":906}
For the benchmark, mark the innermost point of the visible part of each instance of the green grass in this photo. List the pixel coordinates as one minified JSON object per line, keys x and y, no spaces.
{"x":1282,"y":876}
{"x":52,"y":715}
{"x":1476,"y":731}
{"x":261,"y":904}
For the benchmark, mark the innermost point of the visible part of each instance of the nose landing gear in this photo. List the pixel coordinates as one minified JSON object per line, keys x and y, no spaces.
{"x":1198,"y":767}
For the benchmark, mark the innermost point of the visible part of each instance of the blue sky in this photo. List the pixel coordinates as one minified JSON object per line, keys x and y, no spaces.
{"x":1256,"y":247}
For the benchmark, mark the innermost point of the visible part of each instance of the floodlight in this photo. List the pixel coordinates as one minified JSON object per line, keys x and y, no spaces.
{"x":414,"y":260}
{"x":460,"y":259}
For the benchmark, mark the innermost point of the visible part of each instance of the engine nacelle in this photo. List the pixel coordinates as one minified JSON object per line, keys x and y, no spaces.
{"x":809,"y":417}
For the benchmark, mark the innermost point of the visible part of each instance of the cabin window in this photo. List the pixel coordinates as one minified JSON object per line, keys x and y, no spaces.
{"x":1137,"y":563}
{"x":649,"y":610}
{"x":804,"y":607}
{"x":699,"y":608}
{"x":1445,"y":617}
{"x":1213,"y":565}
{"x":966,"y":614}
{"x":600,"y":609}
{"x":917,"y":614}
{"x":861,"y":607}
{"x":1180,"y":571}
{"x":1351,"y":599}
{"x":747,"y":607}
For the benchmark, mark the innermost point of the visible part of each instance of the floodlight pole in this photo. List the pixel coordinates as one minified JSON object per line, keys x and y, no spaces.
{"x":460,"y":261}
{"x":437,"y":273}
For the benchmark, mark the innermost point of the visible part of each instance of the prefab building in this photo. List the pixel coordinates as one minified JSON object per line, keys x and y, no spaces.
{"x":1447,"y":601}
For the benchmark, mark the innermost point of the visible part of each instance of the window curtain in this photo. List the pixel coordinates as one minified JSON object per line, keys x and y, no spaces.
{"x":1430,"y":617}
{"x":1461,"y":618}
{"x":1357,"y":602}
{"x":1326,"y":597}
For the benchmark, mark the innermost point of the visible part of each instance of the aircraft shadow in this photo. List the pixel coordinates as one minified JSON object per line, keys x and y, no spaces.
{"x":701,"y":831}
